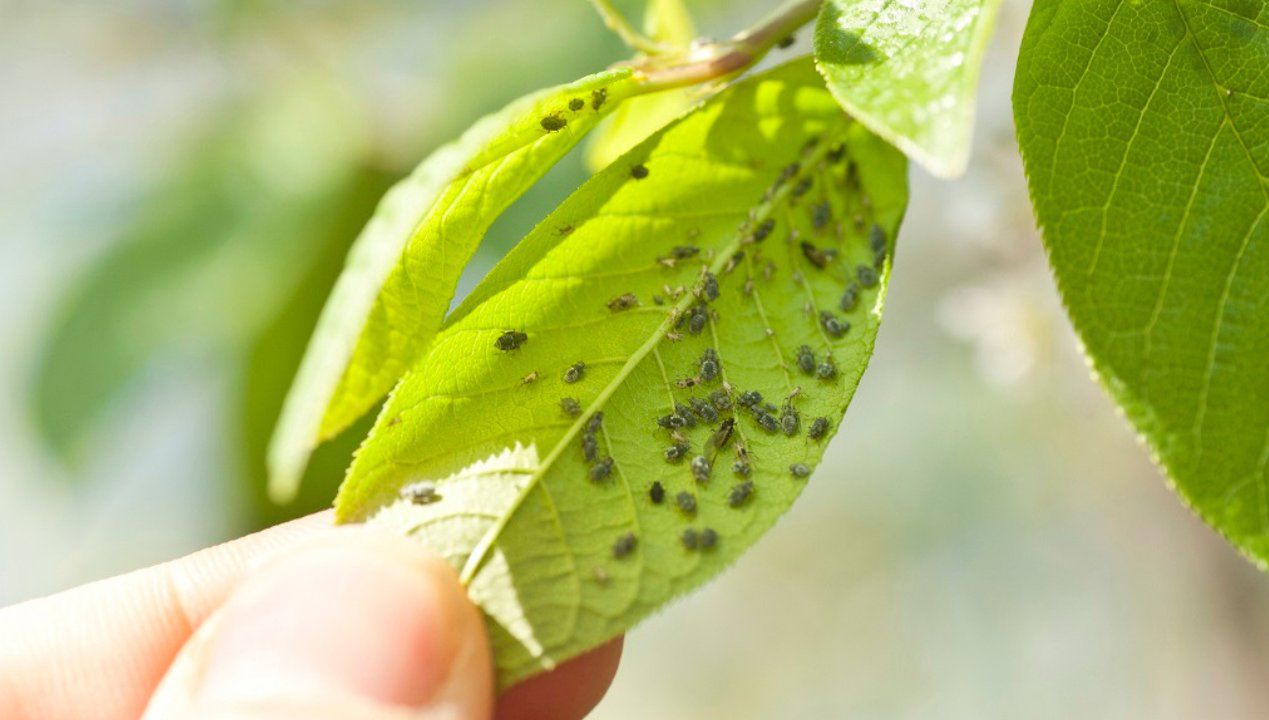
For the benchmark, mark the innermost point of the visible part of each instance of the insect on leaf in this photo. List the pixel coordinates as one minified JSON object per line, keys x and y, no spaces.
{"x":703,"y":265}
{"x":909,"y":71}
{"x":1144,"y":130}
{"x":402,"y":271}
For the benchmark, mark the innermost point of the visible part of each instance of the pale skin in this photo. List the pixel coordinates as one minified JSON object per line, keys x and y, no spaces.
{"x":301,"y":620}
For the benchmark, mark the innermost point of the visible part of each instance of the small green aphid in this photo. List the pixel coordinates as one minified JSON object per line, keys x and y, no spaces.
{"x":656,"y":492}
{"x":420,"y":493}
{"x":832,"y":325}
{"x":686,"y":502}
{"x":850,"y":298}
{"x":600,"y":470}
{"x":622,"y":302}
{"x":576,"y":104}
{"x":624,"y":545}
{"x":677,"y":452}
{"x":575,"y":372}
{"x":570,"y":406}
{"x":709,"y":538}
{"x":510,"y":340}
{"x":867,"y":276}
{"x":799,"y":470}
{"x":639,"y":172}
{"x":597,"y":98}
{"x":761,"y":232}
{"x":740,"y":493}
{"x":819,"y":426}
{"x":700,"y":469}
{"x":806,"y":360}
{"x":690,"y":539}
{"x":553,"y":123}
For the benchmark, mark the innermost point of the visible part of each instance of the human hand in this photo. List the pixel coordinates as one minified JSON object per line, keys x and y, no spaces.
{"x":299,"y":621}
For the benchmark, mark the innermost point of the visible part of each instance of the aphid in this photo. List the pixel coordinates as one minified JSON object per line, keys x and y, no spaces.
{"x":590,"y":447}
{"x":850,"y":298}
{"x":686,"y":502}
{"x":671,"y":421}
{"x":723,"y":434}
{"x":601,"y":576}
{"x":768,"y":270}
{"x":709,"y":538}
{"x":799,"y":470}
{"x":396,"y":420}
{"x":877,"y":239}
{"x":658,"y":300}
{"x":836,"y":154}
{"x":553,"y":123}
{"x":697,"y":323}
{"x":623,"y":302}
{"x":700,"y":469}
{"x":867,"y":276}
{"x":639,"y":172}
{"x":803,"y":185}
{"x":740,"y":493}
{"x":704,"y":411}
{"x":766,"y":421}
{"x":576,"y":104}
{"x":769,"y":407}
{"x":690,"y":539}
{"x":624,"y":545}
{"x":826,"y":370}
{"x":683,"y":252}
{"x":709,"y":286}
{"x":806,"y":360}
{"x":709,"y":369}
{"x":820,"y":215}
{"x":531,"y":377}
{"x":740,"y":468}
{"x":749,"y":398}
{"x":819,"y":426}
{"x":510,"y":340}
{"x":735,"y":259}
{"x":786,"y":42}
{"x":720,"y":400}
{"x":684,"y":412}
{"x":789,"y":421}
{"x":685,"y":382}
{"x":570,"y":406}
{"x":677,"y":452}
{"x":421,"y":493}
{"x":833,"y":326}
{"x":565,"y":230}
{"x":575,"y":372}
{"x":818,"y":257}
{"x":761,"y":232}
{"x":600,"y":470}
{"x":597,"y":98}
{"x":656,"y":492}
{"x":673,"y":336}
{"x":595,"y":423}
{"x":788,"y":172}
{"x":747,"y":289}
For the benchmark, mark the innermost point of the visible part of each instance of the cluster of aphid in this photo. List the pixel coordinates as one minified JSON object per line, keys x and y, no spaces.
{"x":556,"y":121}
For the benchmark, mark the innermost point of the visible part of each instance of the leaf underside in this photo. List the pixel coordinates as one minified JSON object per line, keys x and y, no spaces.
{"x":760,"y":186}
{"x":1144,"y":128}
{"x":401,"y":273}
{"x":909,"y":71}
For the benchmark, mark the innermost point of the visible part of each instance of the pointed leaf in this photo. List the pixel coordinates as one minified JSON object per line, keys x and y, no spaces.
{"x":1144,"y":128}
{"x":788,"y":205}
{"x":909,"y":71}
{"x":403,"y":269}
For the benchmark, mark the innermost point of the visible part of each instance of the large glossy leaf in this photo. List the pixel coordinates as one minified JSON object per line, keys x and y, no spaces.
{"x":908,"y":69}
{"x":1145,"y":131}
{"x":402,"y":271}
{"x":769,"y":190}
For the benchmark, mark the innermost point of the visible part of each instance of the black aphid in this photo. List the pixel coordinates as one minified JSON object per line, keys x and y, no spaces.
{"x":749,"y":398}
{"x":850,"y":298}
{"x":671,"y":421}
{"x":740,"y":493}
{"x":836,"y":154}
{"x":867,"y":276}
{"x":685,"y":382}
{"x":624,"y":301}
{"x":819,"y":426}
{"x":576,"y":104}
{"x":570,"y":406}
{"x":590,"y":447}
{"x":786,"y":42}
{"x":766,"y":421}
{"x":704,"y":411}
{"x":735,"y":259}
{"x":510,"y":340}
{"x":769,"y":407}
{"x":552,"y":123}
{"x":683,"y":252}
{"x":709,"y":538}
{"x":600,"y":470}
{"x":741,"y":468}
{"x":877,"y":239}
{"x":832,"y":325}
{"x":686,"y":502}
{"x":701,"y":468}
{"x":656,"y":492}
{"x":803,"y":185}
{"x":826,"y":370}
{"x":709,"y":286}
{"x":709,"y":369}
{"x":690,"y":539}
{"x":624,"y":545}
{"x":789,"y":421}
{"x":595,"y":423}
{"x":720,"y":400}
{"x":798,"y":470}
{"x":788,"y":172}
{"x":677,"y":452}
{"x":683,"y":411}
{"x":697,"y":322}
{"x":723,"y":434}
{"x":819,"y":257}
{"x":597,"y":97}
{"x":820,"y":215}
{"x":639,"y":172}
{"x":575,"y":372}
{"x":761,"y":232}
{"x":420,"y":493}
{"x":806,"y":360}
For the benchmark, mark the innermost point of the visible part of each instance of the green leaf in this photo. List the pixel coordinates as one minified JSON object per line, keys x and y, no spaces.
{"x":909,"y":71}
{"x":668,"y":22}
{"x":1144,"y":128}
{"x":761,"y":185}
{"x":403,"y":269}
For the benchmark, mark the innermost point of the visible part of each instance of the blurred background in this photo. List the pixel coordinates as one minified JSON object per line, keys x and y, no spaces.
{"x":179,"y":182}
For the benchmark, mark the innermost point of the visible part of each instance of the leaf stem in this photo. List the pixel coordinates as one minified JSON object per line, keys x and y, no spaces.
{"x":716,"y":60}
{"x":618,"y":23}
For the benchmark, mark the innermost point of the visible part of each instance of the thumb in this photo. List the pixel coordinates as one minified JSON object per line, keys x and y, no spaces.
{"x":352,"y":625}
